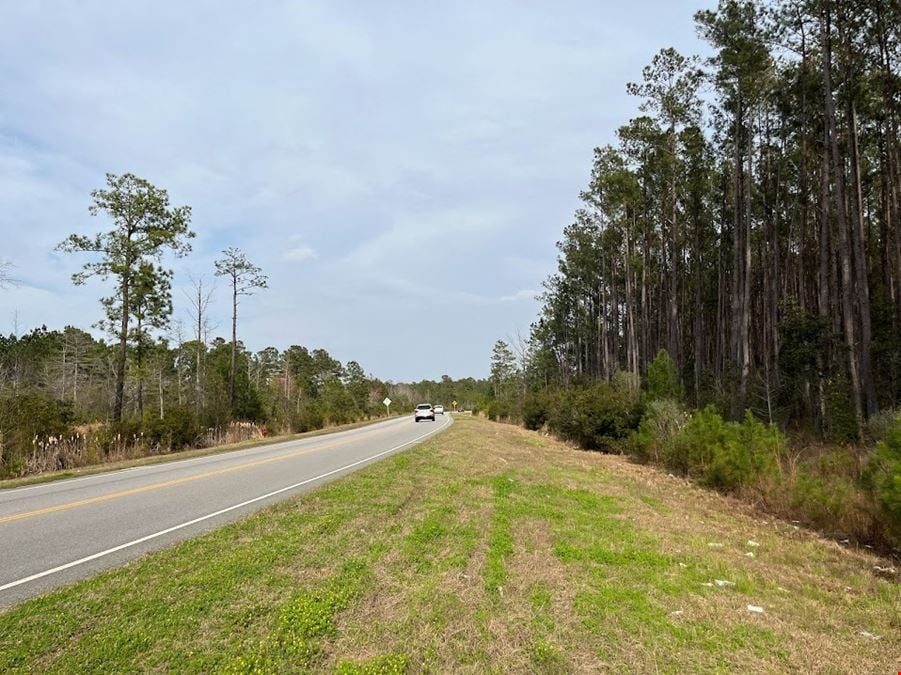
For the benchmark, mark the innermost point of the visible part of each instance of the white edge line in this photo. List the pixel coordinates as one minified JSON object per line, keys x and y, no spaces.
{"x":168,"y":530}
{"x":175,"y":461}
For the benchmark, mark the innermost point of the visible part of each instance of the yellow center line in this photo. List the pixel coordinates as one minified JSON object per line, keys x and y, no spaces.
{"x":180,"y":481}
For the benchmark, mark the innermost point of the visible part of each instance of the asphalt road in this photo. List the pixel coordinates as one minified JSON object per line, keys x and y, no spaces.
{"x":55,"y":533}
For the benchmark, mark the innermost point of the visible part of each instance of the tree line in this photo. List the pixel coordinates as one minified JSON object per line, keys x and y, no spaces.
{"x":747,"y":222}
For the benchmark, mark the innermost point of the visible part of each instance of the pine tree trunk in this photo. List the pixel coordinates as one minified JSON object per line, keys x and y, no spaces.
{"x":674,"y":342}
{"x":847,"y":303}
{"x":861,"y":270}
{"x":123,"y":353}
{"x":231,"y":370}
{"x":139,"y":400}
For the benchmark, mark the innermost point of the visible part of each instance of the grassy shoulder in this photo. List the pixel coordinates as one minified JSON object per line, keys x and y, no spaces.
{"x":487,"y":548}
{"x":176,"y":455}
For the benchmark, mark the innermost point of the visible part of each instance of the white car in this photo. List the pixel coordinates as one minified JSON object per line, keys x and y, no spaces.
{"x":424,"y":411}
{"x":439,"y":409}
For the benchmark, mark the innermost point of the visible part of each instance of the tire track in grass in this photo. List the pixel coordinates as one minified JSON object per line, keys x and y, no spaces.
{"x":500,"y":539}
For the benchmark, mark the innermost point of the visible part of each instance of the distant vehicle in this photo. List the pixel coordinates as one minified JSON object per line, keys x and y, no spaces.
{"x":424,"y":411}
{"x":439,"y":409}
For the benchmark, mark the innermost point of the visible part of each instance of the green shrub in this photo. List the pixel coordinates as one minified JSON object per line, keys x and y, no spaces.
{"x":661,"y":424}
{"x":883,"y":479}
{"x":750,"y":458}
{"x":595,"y":416}
{"x":827,"y":502}
{"x":500,"y":411}
{"x":338,"y":405}
{"x":692,"y":450}
{"x":24,"y":421}
{"x":728,"y":456}
{"x":663,"y":378}
{"x":176,"y":430}
{"x":536,"y":409}
{"x":310,"y":418}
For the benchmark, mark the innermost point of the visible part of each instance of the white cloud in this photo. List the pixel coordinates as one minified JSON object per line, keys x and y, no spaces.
{"x":299,"y":254}
{"x":520,"y":295}
{"x":431,"y":153}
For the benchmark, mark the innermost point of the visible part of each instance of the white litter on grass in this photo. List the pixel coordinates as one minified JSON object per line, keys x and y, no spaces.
{"x":751,"y":542}
{"x":845,"y":541}
{"x":677,"y":612}
{"x":707,"y":583}
{"x":755,"y":609}
{"x":867,"y":634}
{"x":714,"y":544}
{"x":884,"y":570}
{"x":750,"y":554}
{"x":682,"y":565}
{"x":722,"y":583}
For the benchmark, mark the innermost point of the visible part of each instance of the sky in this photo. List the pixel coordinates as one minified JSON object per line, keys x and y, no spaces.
{"x":400,"y":170}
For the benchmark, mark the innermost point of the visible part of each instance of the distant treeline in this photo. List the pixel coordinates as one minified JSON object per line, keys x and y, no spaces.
{"x":68,"y":398}
{"x":57,"y":390}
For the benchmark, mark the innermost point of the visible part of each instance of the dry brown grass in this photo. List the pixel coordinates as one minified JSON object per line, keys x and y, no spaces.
{"x":140,"y":455}
{"x":818,"y":596}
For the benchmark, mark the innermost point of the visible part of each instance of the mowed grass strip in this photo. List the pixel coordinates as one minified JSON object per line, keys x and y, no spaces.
{"x":486,"y":549}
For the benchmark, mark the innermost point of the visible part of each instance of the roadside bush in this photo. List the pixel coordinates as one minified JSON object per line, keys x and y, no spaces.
{"x":596,"y":417}
{"x":176,"y":430}
{"x":116,"y":439}
{"x":727,"y":456}
{"x":310,"y":418}
{"x":338,"y":405}
{"x":883,"y":480}
{"x":751,"y":459}
{"x":693,"y":449}
{"x":663,"y":378}
{"x":536,"y":409}
{"x":661,"y":424}
{"x":832,"y":503}
{"x":499,"y":411}
{"x":25,"y":422}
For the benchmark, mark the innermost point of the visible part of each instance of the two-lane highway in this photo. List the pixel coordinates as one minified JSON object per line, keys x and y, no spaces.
{"x":54,"y":533}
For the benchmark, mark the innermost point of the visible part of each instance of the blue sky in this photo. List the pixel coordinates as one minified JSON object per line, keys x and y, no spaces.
{"x":401,"y":170}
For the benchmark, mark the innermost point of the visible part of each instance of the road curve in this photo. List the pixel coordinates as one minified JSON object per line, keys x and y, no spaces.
{"x":54,"y":533}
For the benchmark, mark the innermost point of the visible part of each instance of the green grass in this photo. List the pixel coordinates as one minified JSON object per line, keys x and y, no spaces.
{"x":487,"y":549}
